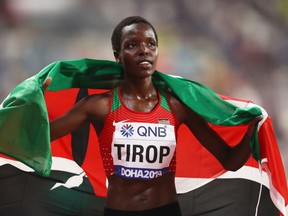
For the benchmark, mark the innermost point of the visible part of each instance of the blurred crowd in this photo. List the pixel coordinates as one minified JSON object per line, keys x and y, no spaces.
{"x":238,"y":48}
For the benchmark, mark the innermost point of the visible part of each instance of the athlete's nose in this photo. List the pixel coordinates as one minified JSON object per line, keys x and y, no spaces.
{"x":143,"y":50}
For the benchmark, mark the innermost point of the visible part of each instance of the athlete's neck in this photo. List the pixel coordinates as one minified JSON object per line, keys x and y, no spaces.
{"x":138,"y":92}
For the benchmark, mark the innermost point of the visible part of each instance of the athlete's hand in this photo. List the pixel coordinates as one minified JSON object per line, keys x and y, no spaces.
{"x":252,"y":126}
{"x":241,"y":152}
{"x":46,"y":83}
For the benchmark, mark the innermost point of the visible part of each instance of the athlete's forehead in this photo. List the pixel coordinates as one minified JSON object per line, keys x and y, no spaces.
{"x":137,"y":29}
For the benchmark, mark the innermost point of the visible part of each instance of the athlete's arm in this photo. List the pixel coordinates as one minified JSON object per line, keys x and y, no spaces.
{"x":231,"y":158}
{"x":70,"y":121}
{"x":91,"y":109}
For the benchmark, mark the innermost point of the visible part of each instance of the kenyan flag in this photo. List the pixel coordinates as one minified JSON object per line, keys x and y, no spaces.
{"x":73,"y":163}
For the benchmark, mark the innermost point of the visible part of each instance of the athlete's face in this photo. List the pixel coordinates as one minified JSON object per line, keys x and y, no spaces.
{"x":139,"y":50}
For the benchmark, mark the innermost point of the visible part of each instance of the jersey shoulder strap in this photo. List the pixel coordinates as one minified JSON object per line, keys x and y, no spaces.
{"x":116,"y":102}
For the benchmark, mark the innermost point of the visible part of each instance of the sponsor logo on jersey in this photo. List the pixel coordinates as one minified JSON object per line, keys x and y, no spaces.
{"x":127,"y":130}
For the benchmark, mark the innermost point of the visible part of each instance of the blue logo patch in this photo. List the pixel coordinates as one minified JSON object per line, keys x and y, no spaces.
{"x":127,"y":130}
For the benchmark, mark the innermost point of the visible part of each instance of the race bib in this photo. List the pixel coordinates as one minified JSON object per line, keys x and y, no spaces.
{"x":142,"y":150}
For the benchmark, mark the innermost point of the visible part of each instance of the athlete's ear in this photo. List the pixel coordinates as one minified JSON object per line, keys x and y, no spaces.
{"x":116,"y":56}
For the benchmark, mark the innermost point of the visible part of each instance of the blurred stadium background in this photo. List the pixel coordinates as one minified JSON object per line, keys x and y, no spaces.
{"x":238,"y":48}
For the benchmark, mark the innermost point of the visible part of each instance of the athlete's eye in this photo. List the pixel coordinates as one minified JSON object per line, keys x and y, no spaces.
{"x":131,"y":45}
{"x":152,"y":44}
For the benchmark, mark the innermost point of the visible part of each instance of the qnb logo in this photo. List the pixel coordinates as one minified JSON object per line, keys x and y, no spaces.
{"x":127,"y":130}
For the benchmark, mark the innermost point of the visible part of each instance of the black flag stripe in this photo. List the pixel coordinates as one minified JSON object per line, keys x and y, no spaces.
{"x":80,"y":136}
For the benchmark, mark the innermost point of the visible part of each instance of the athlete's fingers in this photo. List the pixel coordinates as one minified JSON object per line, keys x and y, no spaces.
{"x":253,"y":125}
{"x":46,"y":83}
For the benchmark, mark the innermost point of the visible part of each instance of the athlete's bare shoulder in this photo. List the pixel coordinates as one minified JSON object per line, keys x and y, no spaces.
{"x":178,"y":107}
{"x":93,"y":109}
{"x":182,"y":112}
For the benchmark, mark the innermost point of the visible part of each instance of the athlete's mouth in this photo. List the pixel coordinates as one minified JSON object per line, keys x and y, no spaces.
{"x":145,"y":62}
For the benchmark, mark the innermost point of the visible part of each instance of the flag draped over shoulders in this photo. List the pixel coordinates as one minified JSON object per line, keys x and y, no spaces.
{"x":24,"y":122}
{"x":25,"y":106}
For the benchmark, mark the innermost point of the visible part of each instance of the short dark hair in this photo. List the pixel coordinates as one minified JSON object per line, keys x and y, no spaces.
{"x":117,"y":33}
